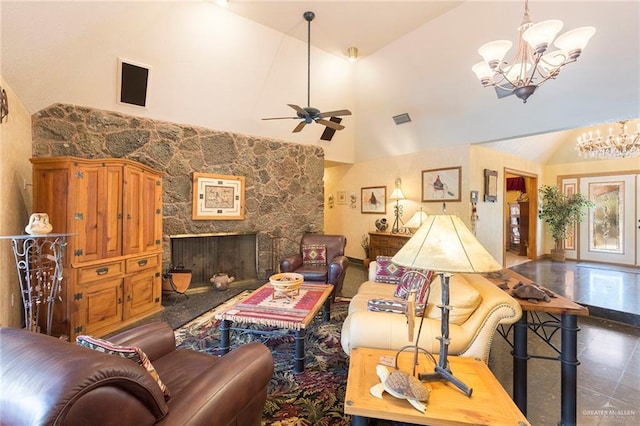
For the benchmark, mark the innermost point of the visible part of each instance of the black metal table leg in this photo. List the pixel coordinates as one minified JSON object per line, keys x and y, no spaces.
{"x":326,"y":310}
{"x":359,"y":421}
{"x":225,"y":326}
{"x":298,"y":359}
{"x":568,"y":369}
{"x":520,"y":358}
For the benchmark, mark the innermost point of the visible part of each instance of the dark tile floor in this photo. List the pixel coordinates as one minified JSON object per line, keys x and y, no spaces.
{"x":608,"y":341}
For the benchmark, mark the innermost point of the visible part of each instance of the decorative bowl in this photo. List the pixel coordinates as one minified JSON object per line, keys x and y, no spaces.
{"x":286,"y":282}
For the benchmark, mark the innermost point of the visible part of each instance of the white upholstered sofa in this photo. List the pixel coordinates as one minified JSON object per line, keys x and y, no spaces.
{"x":479,"y":306}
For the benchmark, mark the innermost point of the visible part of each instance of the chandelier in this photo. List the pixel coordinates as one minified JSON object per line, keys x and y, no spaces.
{"x":622,"y":145}
{"x":533,"y":63}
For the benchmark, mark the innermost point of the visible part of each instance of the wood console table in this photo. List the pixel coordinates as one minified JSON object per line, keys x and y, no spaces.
{"x":560,"y":314}
{"x":385,"y":244}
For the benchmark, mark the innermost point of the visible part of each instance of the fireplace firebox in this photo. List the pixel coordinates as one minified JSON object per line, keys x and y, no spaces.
{"x":208,"y":254}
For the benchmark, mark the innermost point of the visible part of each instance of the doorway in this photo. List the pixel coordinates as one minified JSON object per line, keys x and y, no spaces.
{"x":520,"y":213}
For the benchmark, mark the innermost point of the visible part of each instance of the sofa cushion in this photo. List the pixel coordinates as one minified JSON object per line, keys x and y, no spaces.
{"x":396,"y":306}
{"x":463,"y":298}
{"x":314,"y":254}
{"x":387,"y":271}
{"x":132,"y":353}
{"x":414,"y":279}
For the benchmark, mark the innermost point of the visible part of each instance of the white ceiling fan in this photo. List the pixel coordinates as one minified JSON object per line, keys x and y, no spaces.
{"x":310,"y":114}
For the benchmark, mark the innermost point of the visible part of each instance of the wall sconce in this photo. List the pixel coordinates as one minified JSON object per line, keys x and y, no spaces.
{"x":352,"y":54}
{"x":397,"y":195}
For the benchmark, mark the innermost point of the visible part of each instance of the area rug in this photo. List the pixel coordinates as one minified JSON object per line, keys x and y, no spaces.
{"x":314,"y":397}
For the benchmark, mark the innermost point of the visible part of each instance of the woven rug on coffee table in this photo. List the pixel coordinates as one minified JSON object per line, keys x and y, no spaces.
{"x":314,"y":397}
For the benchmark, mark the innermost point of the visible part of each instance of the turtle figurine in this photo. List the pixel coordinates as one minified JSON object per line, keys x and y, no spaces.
{"x":532,"y":292}
{"x":401,"y":385}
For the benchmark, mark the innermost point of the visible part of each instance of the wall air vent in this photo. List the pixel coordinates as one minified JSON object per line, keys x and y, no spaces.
{"x":402,"y":118}
{"x":328,"y":133}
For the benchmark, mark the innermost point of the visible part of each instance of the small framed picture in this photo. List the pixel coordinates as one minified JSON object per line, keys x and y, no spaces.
{"x":490,"y":185}
{"x":373,"y":199}
{"x":342,"y":197}
{"x":218,"y":197}
{"x":441,"y":184}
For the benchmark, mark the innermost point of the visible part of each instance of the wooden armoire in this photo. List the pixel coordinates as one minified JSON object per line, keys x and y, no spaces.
{"x":113,"y":260}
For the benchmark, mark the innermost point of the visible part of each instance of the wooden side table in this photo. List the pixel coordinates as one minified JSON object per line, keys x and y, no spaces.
{"x":488,"y":405}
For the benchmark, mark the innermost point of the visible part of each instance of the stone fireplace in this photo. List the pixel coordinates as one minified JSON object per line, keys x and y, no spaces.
{"x":208,"y":254}
{"x":284,"y":181}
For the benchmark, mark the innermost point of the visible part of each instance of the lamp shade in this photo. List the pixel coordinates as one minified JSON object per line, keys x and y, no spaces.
{"x":494,"y":50}
{"x":416,"y":220}
{"x":444,"y":244}
{"x":397,"y":194}
{"x":575,"y":39}
{"x":542,"y":33}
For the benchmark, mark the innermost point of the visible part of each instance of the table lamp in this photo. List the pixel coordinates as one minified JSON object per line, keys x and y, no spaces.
{"x":397,"y":195}
{"x":445,"y":245}
{"x":416,"y":221}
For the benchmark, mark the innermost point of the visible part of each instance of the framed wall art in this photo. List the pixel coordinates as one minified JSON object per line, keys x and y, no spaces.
{"x":490,"y":185}
{"x":218,"y":197}
{"x":373,"y":199}
{"x":441,"y":184}
{"x":342,"y":197}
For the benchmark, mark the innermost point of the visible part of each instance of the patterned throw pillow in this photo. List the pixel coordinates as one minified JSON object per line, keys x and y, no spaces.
{"x":129,"y":352}
{"x":417,"y":281}
{"x":393,"y":306}
{"x":314,"y":254}
{"x":387,"y":271}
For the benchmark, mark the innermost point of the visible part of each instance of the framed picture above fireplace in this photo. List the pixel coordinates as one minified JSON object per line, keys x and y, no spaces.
{"x":218,"y":197}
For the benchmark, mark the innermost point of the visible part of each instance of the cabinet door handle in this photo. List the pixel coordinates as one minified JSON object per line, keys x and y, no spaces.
{"x":142,"y":262}
{"x":102,"y":271}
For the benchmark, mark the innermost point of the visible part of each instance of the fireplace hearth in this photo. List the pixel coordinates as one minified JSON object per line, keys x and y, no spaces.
{"x":208,"y":254}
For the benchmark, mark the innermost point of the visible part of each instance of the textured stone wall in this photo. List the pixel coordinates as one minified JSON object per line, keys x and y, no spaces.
{"x":284,"y":181}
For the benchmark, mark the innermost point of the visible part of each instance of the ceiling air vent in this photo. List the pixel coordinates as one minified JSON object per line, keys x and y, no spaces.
{"x":402,"y":118}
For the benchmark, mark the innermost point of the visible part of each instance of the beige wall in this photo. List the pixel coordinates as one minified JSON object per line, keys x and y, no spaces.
{"x":473,"y":159}
{"x":342,"y":219}
{"x":15,"y":169}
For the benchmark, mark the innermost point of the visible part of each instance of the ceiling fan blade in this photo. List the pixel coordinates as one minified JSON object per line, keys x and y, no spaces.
{"x":299,"y":127}
{"x":335,"y":113}
{"x":330,"y":124}
{"x":298,"y":109}
{"x":281,"y":118}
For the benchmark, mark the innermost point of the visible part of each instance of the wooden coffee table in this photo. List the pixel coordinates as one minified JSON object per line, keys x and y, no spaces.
{"x":489,"y":403}
{"x":294,"y":313}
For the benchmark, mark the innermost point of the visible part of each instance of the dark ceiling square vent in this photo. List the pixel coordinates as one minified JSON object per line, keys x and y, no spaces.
{"x":328,"y":131}
{"x":402,"y":118}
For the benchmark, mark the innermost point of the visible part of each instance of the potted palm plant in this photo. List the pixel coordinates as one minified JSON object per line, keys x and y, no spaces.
{"x":560,"y":212}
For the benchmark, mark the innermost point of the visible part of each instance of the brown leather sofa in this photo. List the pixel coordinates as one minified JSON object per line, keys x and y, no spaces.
{"x":47,"y":381}
{"x":334,"y":270}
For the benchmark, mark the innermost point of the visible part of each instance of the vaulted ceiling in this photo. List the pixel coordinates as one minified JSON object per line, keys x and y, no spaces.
{"x":226,"y":68}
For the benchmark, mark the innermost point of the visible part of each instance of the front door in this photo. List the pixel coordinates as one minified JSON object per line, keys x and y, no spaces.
{"x":608,"y":233}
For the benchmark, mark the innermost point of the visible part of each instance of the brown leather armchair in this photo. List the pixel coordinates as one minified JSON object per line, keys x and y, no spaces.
{"x":47,"y":381}
{"x":332,"y":272}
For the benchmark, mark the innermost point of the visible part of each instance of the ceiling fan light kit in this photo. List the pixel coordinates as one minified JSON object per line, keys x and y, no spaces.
{"x":533,"y":63}
{"x":310,"y":114}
